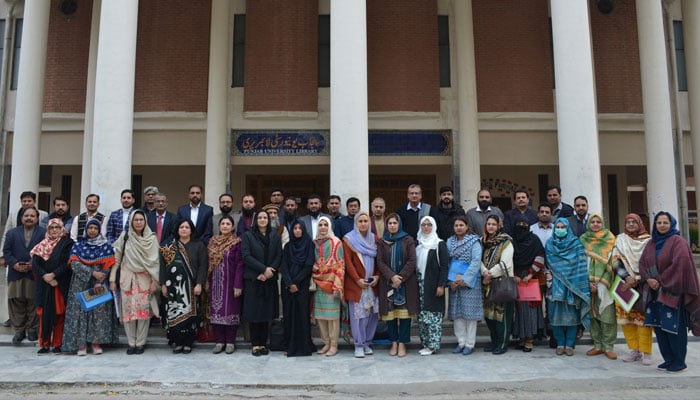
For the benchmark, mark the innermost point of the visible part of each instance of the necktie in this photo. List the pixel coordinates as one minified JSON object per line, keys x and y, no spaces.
{"x":159,"y":228}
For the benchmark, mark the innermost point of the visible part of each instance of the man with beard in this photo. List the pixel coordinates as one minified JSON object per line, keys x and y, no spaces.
{"x":244,"y":218}
{"x":334,"y":211}
{"x":161,"y":221}
{"x":579,"y":220}
{"x":277,"y":198}
{"x":61,"y":211}
{"x":92,"y":203}
{"x":313,"y":204}
{"x":476,"y":217}
{"x":119,"y":219}
{"x":412,"y":212}
{"x":199,"y":213}
{"x":272,"y":212}
{"x":27,"y":199}
{"x":226,"y":207}
{"x":378,"y":208}
{"x":445,"y":212}
{"x":347,"y":223}
{"x":522,"y":201}
{"x":290,"y":212}
{"x":543,"y":228}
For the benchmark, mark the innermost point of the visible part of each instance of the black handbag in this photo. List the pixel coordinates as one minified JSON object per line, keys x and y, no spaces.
{"x":503,"y":289}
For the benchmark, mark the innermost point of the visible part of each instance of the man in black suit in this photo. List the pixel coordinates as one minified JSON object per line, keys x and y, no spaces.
{"x":161,"y":216}
{"x":199,"y":213}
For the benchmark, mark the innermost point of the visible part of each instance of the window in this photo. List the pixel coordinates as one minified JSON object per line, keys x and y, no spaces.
{"x":15,"y":59}
{"x":324,"y":51}
{"x":680,"y":56}
{"x":444,"y":50}
{"x":238,"y":49}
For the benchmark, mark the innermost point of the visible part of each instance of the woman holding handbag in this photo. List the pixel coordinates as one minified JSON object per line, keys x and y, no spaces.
{"x":497,"y":263}
{"x":528,"y":266}
{"x":138,"y":264}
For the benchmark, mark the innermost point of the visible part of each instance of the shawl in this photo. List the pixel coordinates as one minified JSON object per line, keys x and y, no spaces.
{"x":396,"y":257}
{"x":298,"y":247}
{"x":660,"y":239}
{"x":365,"y":246}
{"x":598,"y":245}
{"x":425,"y":244}
{"x":328,"y":252}
{"x":526,"y":246}
{"x":461,"y":248}
{"x":93,"y":251}
{"x":143,"y":251}
{"x":567,"y":262}
{"x":44,"y":248}
{"x":218,"y":246}
{"x":630,"y":245}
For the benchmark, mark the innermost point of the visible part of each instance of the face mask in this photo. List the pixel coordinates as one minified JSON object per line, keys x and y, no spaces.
{"x":560,"y":232}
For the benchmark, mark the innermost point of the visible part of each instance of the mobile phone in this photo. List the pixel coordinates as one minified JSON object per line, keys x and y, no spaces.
{"x":370,"y":279}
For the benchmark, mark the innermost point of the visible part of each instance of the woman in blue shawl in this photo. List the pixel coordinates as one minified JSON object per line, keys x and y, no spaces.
{"x":398,"y":287}
{"x":567,"y":273}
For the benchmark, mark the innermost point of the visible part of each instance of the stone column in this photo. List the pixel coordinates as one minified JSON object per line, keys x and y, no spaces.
{"x":114,"y":101}
{"x":467,"y":135}
{"x":658,"y":127}
{"x":577,"y":123}
{"x":217,"y":152}
{"x":26,"y":139}
{"x":691,"y":36}
{"x":86,"y":173}
{"x":349,"y":125}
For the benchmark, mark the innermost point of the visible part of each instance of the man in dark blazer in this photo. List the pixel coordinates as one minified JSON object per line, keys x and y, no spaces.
{"x":20,"y":280}
{"x":168,"y":219}
{"x":199,"y":213}
{"x":310,"y":220}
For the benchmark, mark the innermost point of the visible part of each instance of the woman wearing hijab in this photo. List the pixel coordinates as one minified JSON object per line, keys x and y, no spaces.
{"x":626,"y":254}
{"x":138,"y":262}
{"x":182,"y":276}
{"x":670,"y":291}
{"x":598,"y":243}
{"x":261,"y":248}
{"x":225,"y":285}
{"x":50,"y":267}
{"x":297,"y":262}
{"x":361,"y":279}
{"x":398,"y":286}
{"x":328,"y":273}
{"x":466,"y":307}
{"x":432,"y":259}
{"x":90,"y":261}
{"x":528,"y":263}
{"x":567,"y":274}
{"x":496,"y":262}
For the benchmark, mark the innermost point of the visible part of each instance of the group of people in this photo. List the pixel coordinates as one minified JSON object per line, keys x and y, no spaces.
{"x":197,"y":270}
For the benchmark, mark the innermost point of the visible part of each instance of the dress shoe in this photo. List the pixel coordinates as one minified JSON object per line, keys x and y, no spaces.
{"x":18,"y":338}
{"x":56,"y":350}
{"x":611,"y":355}
{"x":500,"y":350}
{"x":131,"y":350}
{"x":265,"y":351}
{"x":139,"y":350}
{"x":230,"y":348}
{"x":256,"y":351}
{"x":595,"y":352}
{"x":43,"y":350}
{"x":32,"y":336}
{"x":490,"y":348}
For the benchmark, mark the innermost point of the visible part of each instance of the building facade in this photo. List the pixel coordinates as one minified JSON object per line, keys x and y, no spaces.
{"x":354,"y":98}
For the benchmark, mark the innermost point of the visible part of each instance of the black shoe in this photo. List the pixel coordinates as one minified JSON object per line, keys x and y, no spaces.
{"x":489,"y":348}
{"x":7,"y":323}
{"x":500,"y":350}
{"x":43,"y":350}
{"x":131,"y":350}
{"x":527,"y":349}
{"x":264,"y":351}
{"x":18,"y":338}
{"x":186,"y":350}
{"x":32,"y":336}
{"x":256,"y":352}
{"x":139,"y":350}
{"x":56,"y":350}
{"x":177,"y":350}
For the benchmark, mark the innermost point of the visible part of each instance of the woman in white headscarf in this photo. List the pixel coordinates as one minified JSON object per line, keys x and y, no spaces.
{"x":431,"y":270}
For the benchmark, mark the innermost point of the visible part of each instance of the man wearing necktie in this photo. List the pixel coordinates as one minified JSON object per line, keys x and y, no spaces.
{"x":161,"y":221}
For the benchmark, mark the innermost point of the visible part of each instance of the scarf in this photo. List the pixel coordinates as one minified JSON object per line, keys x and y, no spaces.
{"x":365,"y":246}
{"x":298,"y":246}
{"x":526,"y":247}
{"x":658,"y":238}
{"x":396,"y":258}
{"x":328,"y":252}
{"x":44,"y":248}
{"x":142,"y":251}
{"x":218,"y":246}
{"x":630,"y":245}
{"x":93,"y":251}
{"x":598,"y":245}
{"x":426,"y":242}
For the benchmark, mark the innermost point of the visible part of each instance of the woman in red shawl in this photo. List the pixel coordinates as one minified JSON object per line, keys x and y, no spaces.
{"x":670,"y":291}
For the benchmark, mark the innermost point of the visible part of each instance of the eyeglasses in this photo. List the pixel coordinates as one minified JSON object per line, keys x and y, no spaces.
{"x":426,"y":224}
{"x":54,"y":227}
